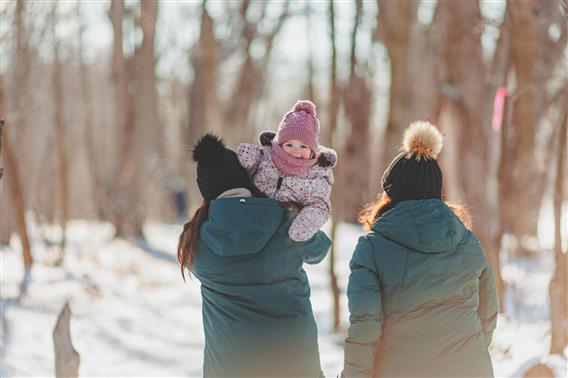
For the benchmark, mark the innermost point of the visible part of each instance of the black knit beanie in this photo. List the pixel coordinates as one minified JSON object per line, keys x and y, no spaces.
{"x":218,"y":168}
{"x":415,"y":173}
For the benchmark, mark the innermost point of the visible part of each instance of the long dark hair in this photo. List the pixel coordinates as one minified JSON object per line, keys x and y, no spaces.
{"x":187,"y":245}
{"x":375,"y":210}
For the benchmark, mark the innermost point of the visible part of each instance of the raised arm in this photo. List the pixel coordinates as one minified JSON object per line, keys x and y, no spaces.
{"x":249,"y":156}
{"x":315,"y":212}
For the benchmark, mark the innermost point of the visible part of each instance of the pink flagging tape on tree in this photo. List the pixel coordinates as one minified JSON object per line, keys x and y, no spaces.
{"x":499,"y":107}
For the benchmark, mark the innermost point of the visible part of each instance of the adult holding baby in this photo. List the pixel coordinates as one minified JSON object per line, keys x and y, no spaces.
{"x":257,"y":315}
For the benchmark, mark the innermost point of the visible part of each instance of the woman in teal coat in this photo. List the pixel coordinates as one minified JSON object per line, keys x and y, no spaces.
{"x":257,"y":315}
{"x":421,"y":294}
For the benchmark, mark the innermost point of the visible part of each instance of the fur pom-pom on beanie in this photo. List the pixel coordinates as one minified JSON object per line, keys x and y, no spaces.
{"x":415,"y":173}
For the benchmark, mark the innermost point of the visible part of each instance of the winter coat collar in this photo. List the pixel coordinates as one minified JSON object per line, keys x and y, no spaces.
{"x":427,"y":226}
{"x":236,"y":193}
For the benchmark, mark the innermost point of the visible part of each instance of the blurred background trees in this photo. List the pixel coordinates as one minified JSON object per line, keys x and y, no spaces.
{"x":102,"y":102}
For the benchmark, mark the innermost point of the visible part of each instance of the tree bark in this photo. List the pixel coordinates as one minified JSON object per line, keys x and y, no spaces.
{"x":336,"y":194}
{"x":525,"y":197}
{"x":96,"y":186}
{"x":60,"y":138}
{"x":463,"y":116}
{"x":67,"y":359}
{"x":558,"y":291}
{"x":13,"y":176}
{"x":148,"y":132}
{"x":202,"y":97}
{"x":124,"y":169}
{"x":357,"y":102}
{"x":18,"y":200}
{"x":396,"y":20}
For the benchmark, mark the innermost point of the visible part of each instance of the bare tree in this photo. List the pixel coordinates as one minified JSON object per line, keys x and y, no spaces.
{"x":357,"y":100}
{"x":147,"y":133}
{"x":336,"y":194}
{"x":202,"y":97}
{"x":534,"y":56}
{"x":13,"y":175}
{"x":124,"y":111}
{"x":250,"y":82}
{"x":60,"y":136}
{"x":206,"y":110}
{"x":462,"y":115}
{"x":90,"y":136}
{"x":396,"y":21}
{"x":557,"y":290}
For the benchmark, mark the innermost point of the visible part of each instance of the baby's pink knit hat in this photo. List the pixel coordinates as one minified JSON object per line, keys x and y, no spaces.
{"x":300,"y":123}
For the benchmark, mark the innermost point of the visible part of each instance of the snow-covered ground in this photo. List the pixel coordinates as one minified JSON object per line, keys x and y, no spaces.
{"x":132,"y":314}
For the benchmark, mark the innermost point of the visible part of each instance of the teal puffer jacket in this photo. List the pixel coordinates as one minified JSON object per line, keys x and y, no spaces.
{"x":257,"y":315}
{"x":421,"y":296}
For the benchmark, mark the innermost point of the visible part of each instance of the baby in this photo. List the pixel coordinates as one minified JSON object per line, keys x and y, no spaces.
{"x":291,"y":166}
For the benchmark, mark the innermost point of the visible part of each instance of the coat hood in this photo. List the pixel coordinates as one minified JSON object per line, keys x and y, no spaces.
{"x":427,"y":226}
{"x":241,"y":226}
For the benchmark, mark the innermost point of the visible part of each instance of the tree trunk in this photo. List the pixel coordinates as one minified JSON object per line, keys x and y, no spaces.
{"x":1,"y":129}
{"x":148,"y":133}
{"x":67,"y":359}
{"x":101,"y":203}
{"x":463,"y":116}
{"x":557,"y":289}
{"x":12,"y":173}
{"x":203,"y":101}
{"x":17,"y":198}
{"x":251,"y":77}
{"x":357,"y":103}
{"x":124,"y":169}
{"x":525,"y":190}
{"x":396,"y":20}
{"x":336,"y":194}
{"x":60,"y":138}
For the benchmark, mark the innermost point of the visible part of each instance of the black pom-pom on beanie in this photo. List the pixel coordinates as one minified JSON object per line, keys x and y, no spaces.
{"x":218,"y":168}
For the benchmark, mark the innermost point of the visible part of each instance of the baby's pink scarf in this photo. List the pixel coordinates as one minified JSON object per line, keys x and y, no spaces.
{"x":289,"y":164}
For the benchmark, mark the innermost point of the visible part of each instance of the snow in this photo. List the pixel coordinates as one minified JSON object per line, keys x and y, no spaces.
{"x":132,"y":314}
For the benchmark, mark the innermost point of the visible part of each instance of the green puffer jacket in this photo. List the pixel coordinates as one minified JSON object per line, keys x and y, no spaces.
{"x":257,"y":314}
{"x":421,"y":296}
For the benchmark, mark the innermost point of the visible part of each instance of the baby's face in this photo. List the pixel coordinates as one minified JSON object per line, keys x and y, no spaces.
{"x":297,"y":149}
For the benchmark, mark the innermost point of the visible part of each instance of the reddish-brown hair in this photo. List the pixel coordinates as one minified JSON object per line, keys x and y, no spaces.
{"x":375,"y":210}
{"x":187,"y":245}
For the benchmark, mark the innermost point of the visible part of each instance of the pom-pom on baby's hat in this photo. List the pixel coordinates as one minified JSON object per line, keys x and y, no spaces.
{"x":300,"y":123}
{"x":415,"y":173}
{"x":218,"y":168}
